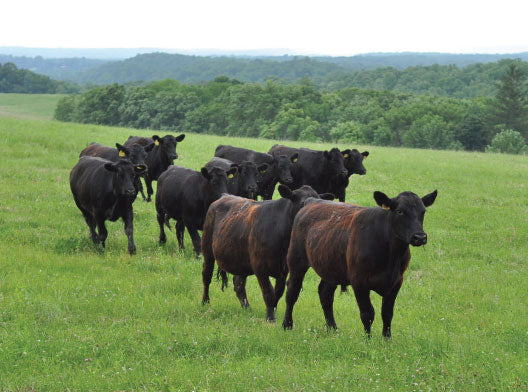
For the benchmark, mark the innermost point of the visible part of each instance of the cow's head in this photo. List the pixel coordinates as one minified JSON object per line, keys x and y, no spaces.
{"x":135,"y":153}
{"x":248,"y":173}
{"x":167,"y":145}
{"x":300,"y":195}
{"x":354,"y":161}
{"x":335,"y":164}
{"x":217,"y":180}
{"x":407,"y":212}
{"x":124,"y":173}
{"x":284,"y":166}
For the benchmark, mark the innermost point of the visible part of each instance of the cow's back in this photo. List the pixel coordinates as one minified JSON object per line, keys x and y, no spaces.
{"x":238,"y":154}
{"x":90,"y":182}
{"x":101,"y":151}
{"x":143,"y":141}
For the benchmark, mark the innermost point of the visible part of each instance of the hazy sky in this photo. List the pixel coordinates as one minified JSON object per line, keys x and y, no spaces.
{"x":305,"y":27}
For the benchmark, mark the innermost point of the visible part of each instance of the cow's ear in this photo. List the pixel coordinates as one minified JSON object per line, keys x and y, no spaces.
{"x":365,"y":154}
{"x":285,"y":192}
{"x":122,"y":150}
{"x":430,"y":198}
{"x":150,"y":147}
{"x":205,"y":173}
{"x":383,"y":200}
{"x":231,"y":172}
{"x":180,"y":138}
{"x":327,"y":196}
{"x":295,"y":157}
{"x":346,"y":153}
{"x":263,"y":168}
{"x":110,"y":167}
{"x":157,"y":140}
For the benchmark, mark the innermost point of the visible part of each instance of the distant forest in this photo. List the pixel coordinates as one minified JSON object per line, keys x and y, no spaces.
{"x":301,"y":111}
{"x":411,"y":73}
{"x":14,"y":80}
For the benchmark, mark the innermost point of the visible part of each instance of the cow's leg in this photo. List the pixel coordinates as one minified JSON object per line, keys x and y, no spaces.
{"x":387,"y":309}
{"x":195,"y":238}
{"x":326,"y":296}
{"x":239,"y":285}
{"x":269,"y":296}
{"x":365,"y":307}
{"x":139,"y":187}
{"x":280,"y":285}
{"x":128,"y":218}
{"x":161,"y":223}
{"x":180,"y":230}
{"x":90,"y":221}
{"x":294,"y":286}
{"x":207,"y":274}
{"x":148,"y":182}
{"x":344,"y":288}
{"x":103,"y":233}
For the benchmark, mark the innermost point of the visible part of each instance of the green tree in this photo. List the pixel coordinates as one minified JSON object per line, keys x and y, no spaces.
{"x":511,"y":100}
{"x":509,"y":142}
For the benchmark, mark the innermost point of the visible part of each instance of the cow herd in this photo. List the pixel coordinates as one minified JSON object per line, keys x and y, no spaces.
{"x":364,"y":247}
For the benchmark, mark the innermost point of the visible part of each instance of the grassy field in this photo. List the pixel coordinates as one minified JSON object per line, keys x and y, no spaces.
{"x":73,"y":319}
{"x":29,"y":106}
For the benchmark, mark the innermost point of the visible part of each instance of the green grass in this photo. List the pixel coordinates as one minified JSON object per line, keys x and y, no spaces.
{"x":72,"y":319}
{"x":29,"y":106}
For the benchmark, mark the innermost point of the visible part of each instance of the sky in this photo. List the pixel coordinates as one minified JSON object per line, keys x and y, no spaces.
{"x":324,"y":27}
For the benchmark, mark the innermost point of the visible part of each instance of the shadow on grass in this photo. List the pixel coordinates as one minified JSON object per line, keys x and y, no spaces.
{"x":74,"y":245}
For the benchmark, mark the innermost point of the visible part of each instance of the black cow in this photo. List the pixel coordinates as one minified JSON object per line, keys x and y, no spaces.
{"x":367,"y":248}
{"x":324,"y":171}
{"x":185,"y":195}
{"x":104,"y":190}
{"x":244,"y":182}
{"x":280,"y":166}
{"x":159,"y":158}
{"x":249,"y":237}
{"x":135,"y":153}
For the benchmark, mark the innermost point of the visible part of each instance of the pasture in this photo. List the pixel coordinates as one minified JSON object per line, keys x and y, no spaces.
{"x":73,"y":319}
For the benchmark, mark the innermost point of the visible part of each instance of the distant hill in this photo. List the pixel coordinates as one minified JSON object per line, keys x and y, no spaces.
{"x":14,"y":80}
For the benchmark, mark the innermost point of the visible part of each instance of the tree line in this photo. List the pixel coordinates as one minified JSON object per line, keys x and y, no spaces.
{"x":14,"y":80}
{"x":302,"y":112}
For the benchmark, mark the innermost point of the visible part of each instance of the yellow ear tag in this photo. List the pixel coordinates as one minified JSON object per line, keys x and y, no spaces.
{"x":345,"y":155}
{"x":230,"y":175}
{"x":121,"y":153}
{"x":385,"y":207}
{"x":156,"y":142}
{"x":365,"y":157}
{"x":295,"y":160}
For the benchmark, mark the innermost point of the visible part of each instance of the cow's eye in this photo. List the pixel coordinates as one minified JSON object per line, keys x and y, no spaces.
{"x":399,"y":212}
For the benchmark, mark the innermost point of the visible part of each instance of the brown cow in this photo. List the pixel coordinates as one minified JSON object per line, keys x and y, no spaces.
{"x":367,"y":248}
{"x":248,"y":237}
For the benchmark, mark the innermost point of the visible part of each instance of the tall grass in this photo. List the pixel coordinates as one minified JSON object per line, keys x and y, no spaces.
{"x":73,"y":319}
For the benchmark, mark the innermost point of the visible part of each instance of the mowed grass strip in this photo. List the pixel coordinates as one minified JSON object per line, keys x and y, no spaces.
{"x":29,"y":106}
{"x":71,"y":318}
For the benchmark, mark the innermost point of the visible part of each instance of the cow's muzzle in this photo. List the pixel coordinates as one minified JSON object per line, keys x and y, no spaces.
{"x":419,"y":239}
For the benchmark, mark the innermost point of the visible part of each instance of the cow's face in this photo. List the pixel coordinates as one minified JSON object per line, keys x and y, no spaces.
{"x":300,"y":195}
{"x":284,"y":166}
{"x":167,"y":145}
{"x":354,"y":161}
{"x":248,"y":172}
{"x":124,"y":173}
{"x":407,"y":214}
{"x":136,"y":153}
{"x":217,"y":180}
{"x":335,"y":162}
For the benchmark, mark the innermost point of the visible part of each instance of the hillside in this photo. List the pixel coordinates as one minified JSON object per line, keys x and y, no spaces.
{"x":74,"y":319}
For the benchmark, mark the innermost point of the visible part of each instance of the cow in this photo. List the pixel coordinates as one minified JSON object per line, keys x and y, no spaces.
{"x":159,"y":158}
{"x":136,"y":154}
{"x":249,"y":237}
{"x":324,"y":171}
{"x":367,"y":248}
{"x":244,"y":182}
{"x":280,"y":166}
{"x":104,"y":190}
{"x":185,"y":195}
